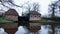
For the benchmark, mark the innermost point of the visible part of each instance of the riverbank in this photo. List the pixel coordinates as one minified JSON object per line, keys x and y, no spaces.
{"x":4,"y":20}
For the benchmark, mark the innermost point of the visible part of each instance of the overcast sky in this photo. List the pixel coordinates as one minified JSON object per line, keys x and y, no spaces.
{"x":43,"y":5}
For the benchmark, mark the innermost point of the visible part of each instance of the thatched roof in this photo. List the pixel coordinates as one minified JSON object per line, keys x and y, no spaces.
{"x":11,"y":12}
{"x":34,"y":12}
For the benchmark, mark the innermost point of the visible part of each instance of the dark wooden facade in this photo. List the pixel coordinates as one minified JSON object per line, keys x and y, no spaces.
{"x":23,"y":20}
{"x":11,"y":14}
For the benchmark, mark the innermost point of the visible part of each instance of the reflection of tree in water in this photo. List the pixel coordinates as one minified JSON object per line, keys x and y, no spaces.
{"x":57,"y":29}
{"x":48,"y":26}
{"x":22,"y":30}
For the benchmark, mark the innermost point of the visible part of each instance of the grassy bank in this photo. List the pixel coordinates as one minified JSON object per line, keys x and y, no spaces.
{"x":5,"y":20}
{"x":43,"y":20}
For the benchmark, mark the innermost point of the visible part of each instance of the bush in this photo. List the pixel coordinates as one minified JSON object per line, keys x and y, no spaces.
{"x":0,"y":16}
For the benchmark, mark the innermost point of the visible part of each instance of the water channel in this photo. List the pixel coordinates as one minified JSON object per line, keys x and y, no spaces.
{"x":45,"y":29}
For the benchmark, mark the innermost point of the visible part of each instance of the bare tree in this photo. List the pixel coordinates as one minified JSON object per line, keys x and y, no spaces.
{"x":10,"y":3}
{"x":36,"y":6}
{"x":54,"y":8}
{"x":55,"y":11}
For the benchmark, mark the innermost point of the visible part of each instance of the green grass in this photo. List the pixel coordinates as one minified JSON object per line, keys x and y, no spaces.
{"x":5,"y":20}
{"x":43,"y":20}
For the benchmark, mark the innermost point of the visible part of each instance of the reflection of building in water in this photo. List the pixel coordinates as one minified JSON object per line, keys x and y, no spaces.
{"x":24,"y":30}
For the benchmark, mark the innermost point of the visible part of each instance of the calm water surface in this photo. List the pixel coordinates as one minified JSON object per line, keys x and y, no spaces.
{"x":45,"y":29}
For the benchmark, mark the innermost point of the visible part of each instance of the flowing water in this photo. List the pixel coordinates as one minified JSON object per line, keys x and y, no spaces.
{"x":45,"y":29}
